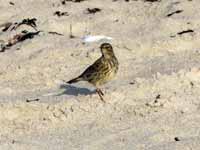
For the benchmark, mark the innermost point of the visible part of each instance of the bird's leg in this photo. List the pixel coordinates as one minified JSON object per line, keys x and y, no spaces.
{"x":100,"y":93}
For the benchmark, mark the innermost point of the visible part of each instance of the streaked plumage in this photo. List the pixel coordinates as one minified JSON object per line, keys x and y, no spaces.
{"x":101,"y":71}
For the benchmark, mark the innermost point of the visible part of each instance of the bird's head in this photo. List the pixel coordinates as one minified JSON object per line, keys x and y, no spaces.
{"x":107,"y":50}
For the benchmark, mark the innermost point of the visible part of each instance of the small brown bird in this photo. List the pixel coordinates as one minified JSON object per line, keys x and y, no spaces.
{"x":101,"y":71}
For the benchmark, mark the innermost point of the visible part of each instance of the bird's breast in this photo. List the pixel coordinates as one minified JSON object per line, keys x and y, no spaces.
{"x":109,"y":71}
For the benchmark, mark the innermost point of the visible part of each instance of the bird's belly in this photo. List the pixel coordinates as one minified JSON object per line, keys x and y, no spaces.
{"x":106,"y":77}
{"x":110,"y":75}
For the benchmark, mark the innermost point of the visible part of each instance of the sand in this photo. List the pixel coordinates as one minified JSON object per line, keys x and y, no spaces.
{"x":152,"y":104}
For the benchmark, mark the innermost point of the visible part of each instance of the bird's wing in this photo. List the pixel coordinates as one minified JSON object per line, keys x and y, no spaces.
{"x":92,"y":70}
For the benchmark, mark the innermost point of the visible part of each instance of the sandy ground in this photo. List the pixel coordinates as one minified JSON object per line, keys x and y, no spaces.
{"x":152,"y":104}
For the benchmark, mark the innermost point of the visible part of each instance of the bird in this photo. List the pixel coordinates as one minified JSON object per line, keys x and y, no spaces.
{"x":101,"y":71}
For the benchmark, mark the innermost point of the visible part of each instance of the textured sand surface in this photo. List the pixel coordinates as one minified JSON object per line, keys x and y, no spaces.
{"x":152,"y":104}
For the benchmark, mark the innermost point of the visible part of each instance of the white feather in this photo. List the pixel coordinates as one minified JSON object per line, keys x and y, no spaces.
{"x":90,"y":38}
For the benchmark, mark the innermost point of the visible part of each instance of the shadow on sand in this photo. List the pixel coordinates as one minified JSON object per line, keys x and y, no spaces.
{"x":72,"y":90}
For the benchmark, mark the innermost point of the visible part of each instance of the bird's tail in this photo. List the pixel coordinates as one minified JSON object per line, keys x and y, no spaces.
{"x":74,"y":80}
